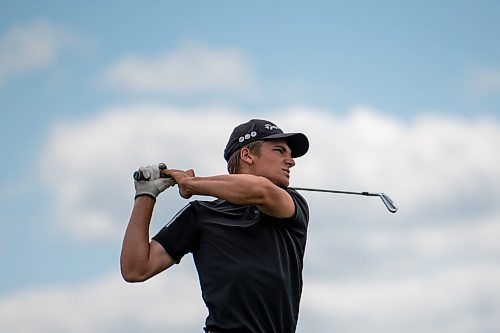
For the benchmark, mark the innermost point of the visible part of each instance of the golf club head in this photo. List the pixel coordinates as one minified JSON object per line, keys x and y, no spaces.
{"x":388,"y":202}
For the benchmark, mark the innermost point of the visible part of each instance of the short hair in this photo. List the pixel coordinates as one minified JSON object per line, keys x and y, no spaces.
{"x":234,"y":162}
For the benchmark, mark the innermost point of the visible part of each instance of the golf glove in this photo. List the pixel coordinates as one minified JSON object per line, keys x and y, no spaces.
{"x":153,"y":183}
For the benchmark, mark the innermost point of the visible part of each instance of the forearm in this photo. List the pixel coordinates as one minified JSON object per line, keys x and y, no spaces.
{"x":135,"y":249}
{"x":242,"y":189}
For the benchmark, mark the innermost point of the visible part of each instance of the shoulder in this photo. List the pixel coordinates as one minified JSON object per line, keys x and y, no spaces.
{"x":296,"y":196}
{"x":301,"y":206}
{"x":294,"y":193}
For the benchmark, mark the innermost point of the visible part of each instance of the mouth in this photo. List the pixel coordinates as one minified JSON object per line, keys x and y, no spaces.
{"x":287,"y":171}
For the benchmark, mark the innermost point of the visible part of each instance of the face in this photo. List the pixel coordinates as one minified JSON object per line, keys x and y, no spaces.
{"x":274,"y":162}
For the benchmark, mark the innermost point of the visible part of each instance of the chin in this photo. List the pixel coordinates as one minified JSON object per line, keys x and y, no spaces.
{"x":282,"y":183}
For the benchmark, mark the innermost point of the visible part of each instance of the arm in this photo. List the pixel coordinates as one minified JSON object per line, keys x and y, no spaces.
{"x":242,"y":189}
{"x":141,"y":259}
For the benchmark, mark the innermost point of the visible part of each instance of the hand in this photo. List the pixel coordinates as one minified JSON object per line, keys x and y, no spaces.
{"x":153,"y":184}
{"x":182,"y":179}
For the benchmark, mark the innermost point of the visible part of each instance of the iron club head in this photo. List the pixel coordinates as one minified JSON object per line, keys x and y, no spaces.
{"x":391,"y":206}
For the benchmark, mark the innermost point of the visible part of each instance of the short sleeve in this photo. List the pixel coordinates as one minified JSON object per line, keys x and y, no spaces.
{"x":298,"y":223}
{"x":180,"y":235}
{"x":301,"y":208}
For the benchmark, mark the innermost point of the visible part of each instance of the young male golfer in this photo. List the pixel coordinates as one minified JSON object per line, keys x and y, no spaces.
{"x":248,"y":244}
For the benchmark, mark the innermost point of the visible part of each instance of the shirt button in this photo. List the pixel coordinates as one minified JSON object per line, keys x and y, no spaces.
{"x":256,"y":211}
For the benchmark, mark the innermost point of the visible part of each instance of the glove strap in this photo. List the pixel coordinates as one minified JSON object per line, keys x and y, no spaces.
{"x":145,"y":194}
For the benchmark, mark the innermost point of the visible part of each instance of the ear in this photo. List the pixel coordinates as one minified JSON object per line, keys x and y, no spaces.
{"x":246,"y":156}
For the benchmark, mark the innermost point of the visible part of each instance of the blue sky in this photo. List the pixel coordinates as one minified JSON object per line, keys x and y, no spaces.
{"x":401,"y":97}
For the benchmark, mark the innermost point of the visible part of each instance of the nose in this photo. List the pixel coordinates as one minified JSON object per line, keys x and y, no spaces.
{"x":290,"y":162}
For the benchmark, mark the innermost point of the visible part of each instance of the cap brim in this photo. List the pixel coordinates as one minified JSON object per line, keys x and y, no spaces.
{"x":298,"y":142}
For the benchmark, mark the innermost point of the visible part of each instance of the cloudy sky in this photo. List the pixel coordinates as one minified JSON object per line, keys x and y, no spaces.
{"x":395,"y":97}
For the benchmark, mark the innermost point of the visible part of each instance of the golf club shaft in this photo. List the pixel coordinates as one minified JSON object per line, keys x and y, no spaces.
{"x":389,"y":204}
{"x":333,"y":191}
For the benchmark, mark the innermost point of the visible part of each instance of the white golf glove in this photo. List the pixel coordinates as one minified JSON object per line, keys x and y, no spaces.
{"x":152,"y":183}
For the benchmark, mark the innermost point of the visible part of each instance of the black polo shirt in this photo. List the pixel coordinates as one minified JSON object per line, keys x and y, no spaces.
{"x":249,"y":263}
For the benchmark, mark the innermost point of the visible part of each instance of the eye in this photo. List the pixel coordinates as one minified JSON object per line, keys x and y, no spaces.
{"x":281,"y":150}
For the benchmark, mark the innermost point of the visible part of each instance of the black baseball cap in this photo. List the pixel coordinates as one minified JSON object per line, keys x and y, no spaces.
{"x":258,"y":129}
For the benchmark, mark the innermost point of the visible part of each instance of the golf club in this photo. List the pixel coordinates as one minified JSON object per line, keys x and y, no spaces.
{"x":391,"y":206}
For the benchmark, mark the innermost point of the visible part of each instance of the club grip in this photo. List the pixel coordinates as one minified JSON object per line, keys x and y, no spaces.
{"x":138,"y":175}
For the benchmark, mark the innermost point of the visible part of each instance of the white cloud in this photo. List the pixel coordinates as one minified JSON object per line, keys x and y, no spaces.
{"x":193,"y":68}
{"x":108,"y":304}
{"x":32,"y":46}
{"x":432,"y":241}
{"x":465,"y":299}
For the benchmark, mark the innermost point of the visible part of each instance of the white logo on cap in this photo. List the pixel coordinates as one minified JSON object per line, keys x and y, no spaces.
{"x":247,"y":136}
{"x":271,"y":127}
